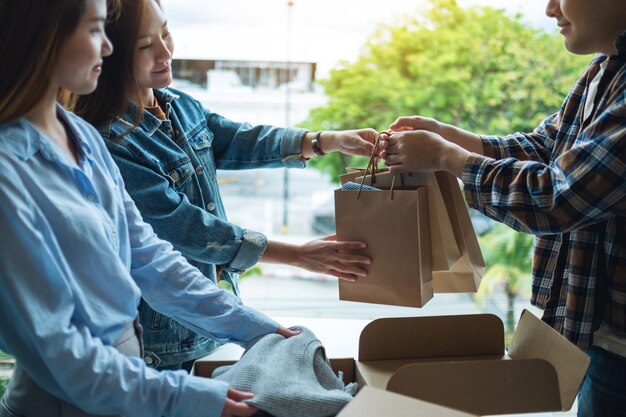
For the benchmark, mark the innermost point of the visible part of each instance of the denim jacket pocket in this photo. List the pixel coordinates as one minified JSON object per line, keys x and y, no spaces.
{"x":179,"y":173}
{"x":202,"y":145}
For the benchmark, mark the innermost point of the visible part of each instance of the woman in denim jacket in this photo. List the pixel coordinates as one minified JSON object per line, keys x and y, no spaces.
{"x":168,"y":148}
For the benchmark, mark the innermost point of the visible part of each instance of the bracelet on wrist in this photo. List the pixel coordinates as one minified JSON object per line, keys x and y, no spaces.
{"x":315,"y":144}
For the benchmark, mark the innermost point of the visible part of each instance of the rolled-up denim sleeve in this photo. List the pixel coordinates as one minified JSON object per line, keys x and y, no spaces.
{"x":251,"y":248}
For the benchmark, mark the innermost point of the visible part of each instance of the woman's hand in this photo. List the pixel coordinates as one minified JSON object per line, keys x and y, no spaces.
{"x":327,"y":256}
{"x":344,"y":260}
{"x":287,"y":333}
{"x":234,"y":407}
{"x":350,"y":142}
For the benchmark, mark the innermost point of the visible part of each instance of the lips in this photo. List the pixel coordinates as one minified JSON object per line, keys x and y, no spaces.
{"x":162,"y":70}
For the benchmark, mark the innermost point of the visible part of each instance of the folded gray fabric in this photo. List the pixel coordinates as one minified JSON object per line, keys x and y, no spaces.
{"x":353,"y":186}
{"x":289,"y":377}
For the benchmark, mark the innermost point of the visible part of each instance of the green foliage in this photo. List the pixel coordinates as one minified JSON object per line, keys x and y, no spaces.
{"x":256,"y":270}
{"x":508,"y":256}
{"x":476,"y":68}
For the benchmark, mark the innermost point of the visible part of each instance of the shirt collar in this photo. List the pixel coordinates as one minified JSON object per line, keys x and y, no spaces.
{"x":150,"y":122}
{"x":33,"y":141}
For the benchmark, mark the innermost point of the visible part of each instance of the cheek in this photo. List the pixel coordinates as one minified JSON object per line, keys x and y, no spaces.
{"x":141,"y":67}
{"x":170,"y":45}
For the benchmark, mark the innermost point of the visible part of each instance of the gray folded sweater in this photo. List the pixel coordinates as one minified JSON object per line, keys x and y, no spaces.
{"x":289,"y":377}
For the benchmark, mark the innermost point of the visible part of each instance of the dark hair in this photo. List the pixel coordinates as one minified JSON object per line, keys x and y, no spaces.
{"x":117,"y":86}
{"x":31,"y":33}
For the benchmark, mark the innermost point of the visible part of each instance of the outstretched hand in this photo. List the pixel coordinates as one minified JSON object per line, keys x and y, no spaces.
{"x":350,"y":142}
{"x":234,"y":405}
{"x":344,"y":260}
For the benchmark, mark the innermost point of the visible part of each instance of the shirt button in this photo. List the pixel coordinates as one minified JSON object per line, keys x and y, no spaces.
{"x":114,"y":236}
{"x":147,"y":360}
{"x":175,"y":176}
{"x":177,"y":133}
{"x":199,"y":170}
{"x":211,"y":206}
{"x":90,"y":197}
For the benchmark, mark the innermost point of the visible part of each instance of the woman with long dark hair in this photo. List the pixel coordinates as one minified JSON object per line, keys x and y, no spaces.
{"x":76,"y":255}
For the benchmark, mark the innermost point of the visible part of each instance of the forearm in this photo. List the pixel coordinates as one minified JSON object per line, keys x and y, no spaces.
{"x":463,"y":138}
{"x":280,"y":253}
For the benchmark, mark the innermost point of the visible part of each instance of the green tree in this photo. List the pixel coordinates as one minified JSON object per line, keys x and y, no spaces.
{"x":477,"y":68}
{"x":508,"y":256}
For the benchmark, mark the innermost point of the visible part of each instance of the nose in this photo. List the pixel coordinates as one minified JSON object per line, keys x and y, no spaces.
{"x":107,"y":46}
{"x":553,"y":8}
{"x":164,"y":52}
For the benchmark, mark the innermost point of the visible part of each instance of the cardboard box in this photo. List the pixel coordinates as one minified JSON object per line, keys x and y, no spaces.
{"x":378,"y":403}
{"x":457,"y":363}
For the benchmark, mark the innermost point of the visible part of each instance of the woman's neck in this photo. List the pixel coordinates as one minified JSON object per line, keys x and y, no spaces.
{"x":44,"y":117}
{"x":147,"y":96}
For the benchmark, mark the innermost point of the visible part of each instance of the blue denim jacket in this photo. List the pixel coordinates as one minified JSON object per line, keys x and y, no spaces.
{"x":169,"y":168}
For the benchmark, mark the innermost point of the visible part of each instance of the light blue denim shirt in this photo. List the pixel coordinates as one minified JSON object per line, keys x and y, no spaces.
{"x":169,"y":168}
{"x":75,"y":254}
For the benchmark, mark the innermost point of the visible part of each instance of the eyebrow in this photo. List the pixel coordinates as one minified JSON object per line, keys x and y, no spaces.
{"x":97,"y":19}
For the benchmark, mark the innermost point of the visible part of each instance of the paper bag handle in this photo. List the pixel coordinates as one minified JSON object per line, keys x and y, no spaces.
{"x":373,"y":167}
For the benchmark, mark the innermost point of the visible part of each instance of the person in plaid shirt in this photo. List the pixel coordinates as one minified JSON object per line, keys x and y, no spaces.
{"x":565,"y":183}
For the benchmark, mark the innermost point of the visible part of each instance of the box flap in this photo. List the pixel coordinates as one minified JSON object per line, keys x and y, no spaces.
{"x":378,"y":373}
{"x":535,"y":339}
{"x":372,"y":402}
{"x":482,"y":387}
{"x":428,"y":337}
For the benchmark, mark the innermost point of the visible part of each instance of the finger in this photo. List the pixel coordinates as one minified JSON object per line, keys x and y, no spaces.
{"x":237,"y":395}
{"x":354,"y":259}
{"x":330,"y":238}
{"x":346,"y":269}
{"x":344,"y":277}
{"x":404,"y":123}
{"x":348,"y":246}
{"x":287,"y":333}
{"x":393,"y":160}
{"x":236,"y":409}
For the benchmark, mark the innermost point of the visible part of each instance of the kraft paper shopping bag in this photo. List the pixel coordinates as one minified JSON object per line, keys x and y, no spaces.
{"x":394,"y":224}
{"x":466,"y":273}
{"x":444,"y":249}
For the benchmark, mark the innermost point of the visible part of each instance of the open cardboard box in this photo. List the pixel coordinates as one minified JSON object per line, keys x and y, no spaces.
{"x":458,"y":363}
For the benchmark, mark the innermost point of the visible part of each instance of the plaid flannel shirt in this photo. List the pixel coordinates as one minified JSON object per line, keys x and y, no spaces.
{"x":566,"y":183}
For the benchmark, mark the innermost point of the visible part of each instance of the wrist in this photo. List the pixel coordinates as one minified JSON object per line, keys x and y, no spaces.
{"x":316,"y":144}
{"x":453,"y":159}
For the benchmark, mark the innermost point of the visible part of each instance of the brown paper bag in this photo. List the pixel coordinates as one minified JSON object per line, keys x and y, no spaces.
{"x":394,"y":224}
{"x":444,"y":249}
{"x":457,"y":261}
{"x":466,"y":273}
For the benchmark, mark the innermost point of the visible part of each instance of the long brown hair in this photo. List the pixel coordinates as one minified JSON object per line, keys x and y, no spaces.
{"x":117,"y":86}
{"x":31,"y":34}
